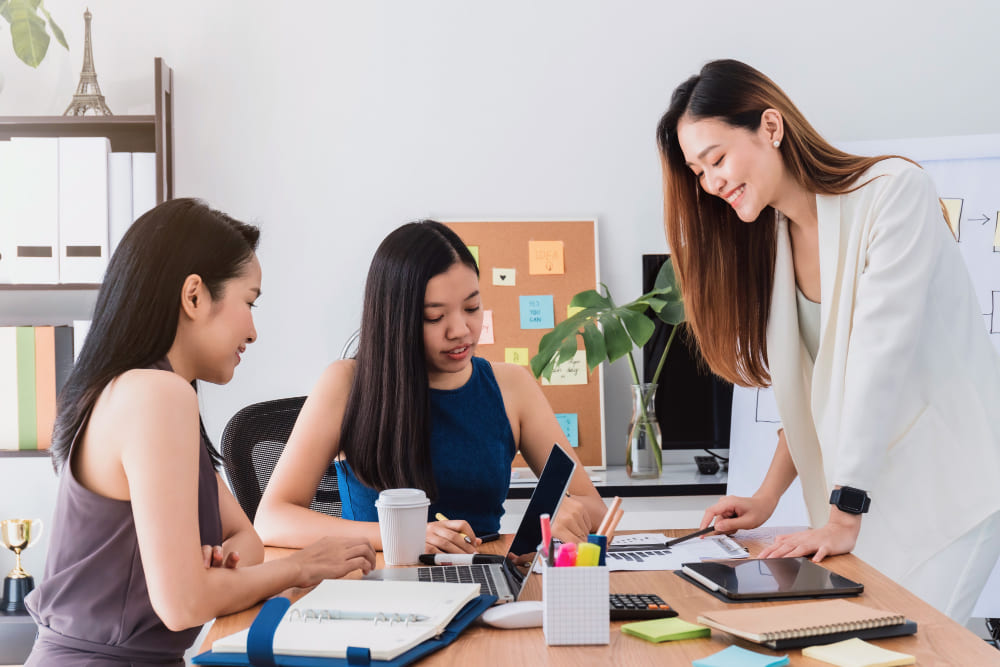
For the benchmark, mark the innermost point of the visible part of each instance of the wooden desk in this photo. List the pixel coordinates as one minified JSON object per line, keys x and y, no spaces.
{"x":939,"y":640}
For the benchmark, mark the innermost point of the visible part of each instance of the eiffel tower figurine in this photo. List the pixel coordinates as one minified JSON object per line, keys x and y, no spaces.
{"x":88,"y":95}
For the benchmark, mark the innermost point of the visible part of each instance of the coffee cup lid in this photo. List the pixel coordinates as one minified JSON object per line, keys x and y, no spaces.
{"x":402,"y":498}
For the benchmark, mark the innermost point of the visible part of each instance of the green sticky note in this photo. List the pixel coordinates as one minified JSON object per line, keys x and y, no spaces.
{"x":474,"y":249}
{"x":665,"y":630}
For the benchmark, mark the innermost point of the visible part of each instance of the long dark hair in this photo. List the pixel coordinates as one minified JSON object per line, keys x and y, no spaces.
{"x":385,"y":435}
{"x":726,"y":267}
{"x":138,"y":304}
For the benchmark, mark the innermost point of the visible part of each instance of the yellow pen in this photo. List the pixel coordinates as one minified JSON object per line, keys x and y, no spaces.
{"x":442,"y":517}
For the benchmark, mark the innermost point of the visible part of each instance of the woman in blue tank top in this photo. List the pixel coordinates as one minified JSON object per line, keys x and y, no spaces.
{"x":416,"y":408}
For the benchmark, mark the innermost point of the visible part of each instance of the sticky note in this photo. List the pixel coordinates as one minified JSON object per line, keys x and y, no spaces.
{"x":734,"y":656}
{"x":570,"y":426}
{"x":474,"y":249}
{"x":573,"y":371}
{"x":665,"y":630}
{"x":486,"y":334}
{"x":537,"y":312}
{"x":517,"y":355}
{"x":573,"y":310}
{"x":954,"y":208}
{"x":504,"y":277}
{"x":857,"y":651}
{"x":545,"y":258}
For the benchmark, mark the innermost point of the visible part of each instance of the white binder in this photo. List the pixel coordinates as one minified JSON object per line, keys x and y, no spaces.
{"x":143,"y":183}
{"x":35,"y":209}
{"x":83,"y":208}
{"x":7,"y":244}
{"x":119,"y":198}
{"x":8,"y":389}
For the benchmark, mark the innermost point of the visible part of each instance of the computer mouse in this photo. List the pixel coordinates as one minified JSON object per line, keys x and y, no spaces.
{"x":524,"y":614}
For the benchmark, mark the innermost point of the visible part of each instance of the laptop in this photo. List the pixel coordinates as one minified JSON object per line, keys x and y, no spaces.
{"x":505,"y":578}
{"x":770,"y":578}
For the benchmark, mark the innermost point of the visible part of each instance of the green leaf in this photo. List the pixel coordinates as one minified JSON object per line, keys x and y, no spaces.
{"x":593,"y":343}
{"x":672,"y":313}
{"x":27,"y":32}
{"x":639,"y":327}
{"x":666,"y":276}
{"x":5,"y":10}
{"x":589,"y":299}
{"x":56,"y":30}
{"x":616,"y":340}
{"x":566,"y":351}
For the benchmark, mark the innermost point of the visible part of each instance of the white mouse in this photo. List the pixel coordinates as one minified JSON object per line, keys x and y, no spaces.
{"x":524,"y":614}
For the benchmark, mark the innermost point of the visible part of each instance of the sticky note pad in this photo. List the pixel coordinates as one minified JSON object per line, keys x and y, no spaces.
{"x":474,"y":249}
{"x":851,"y":652}
{"x":517,"y":355}
{"x":537,"y":312}
{"x":570,"y":426}
{"x":573,"y":310}
{"x":486,"y":334}
{"x":734,"y":656}
{"x":572,"y":371}
{"x":545,"y":258}
{"x":665,"y":630}
{"x":504,"y":277}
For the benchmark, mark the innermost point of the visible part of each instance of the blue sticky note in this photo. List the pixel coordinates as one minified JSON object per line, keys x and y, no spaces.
{"x":734,"y":656}
{"x":569,"y":423}
{"x":537,"y":312}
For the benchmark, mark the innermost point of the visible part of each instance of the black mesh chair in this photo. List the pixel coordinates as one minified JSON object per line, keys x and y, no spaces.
{"x":251,"y":446}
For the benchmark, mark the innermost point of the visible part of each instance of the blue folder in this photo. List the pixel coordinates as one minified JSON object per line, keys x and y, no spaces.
{"x":259,"y":652}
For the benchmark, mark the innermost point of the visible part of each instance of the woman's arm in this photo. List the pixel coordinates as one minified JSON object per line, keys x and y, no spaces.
{"x":283,"y":517}
{"x":156,"y":417}
{"x":536,"y":430}
{"x":240,"y":542}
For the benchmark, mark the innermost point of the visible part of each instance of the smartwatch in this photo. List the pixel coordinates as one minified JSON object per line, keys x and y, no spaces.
{"x":850,"y":500}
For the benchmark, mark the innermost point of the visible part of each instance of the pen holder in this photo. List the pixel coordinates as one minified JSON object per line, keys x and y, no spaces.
{"x":575,"y":607}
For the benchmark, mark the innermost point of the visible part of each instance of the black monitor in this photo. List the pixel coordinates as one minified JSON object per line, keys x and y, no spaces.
{"x":693,"y":406}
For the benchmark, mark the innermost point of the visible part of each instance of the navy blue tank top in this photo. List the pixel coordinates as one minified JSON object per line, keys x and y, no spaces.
{"x":472,"y":447}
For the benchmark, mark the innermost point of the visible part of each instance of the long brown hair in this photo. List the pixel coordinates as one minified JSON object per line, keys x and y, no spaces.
{"x":725,"y":267}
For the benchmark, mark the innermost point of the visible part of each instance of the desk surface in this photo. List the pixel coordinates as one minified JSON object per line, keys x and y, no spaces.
{"x":678,"y":479}
{"x":939,"y":640}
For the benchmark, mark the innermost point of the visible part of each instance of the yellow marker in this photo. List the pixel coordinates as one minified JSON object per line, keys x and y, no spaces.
{"x":587,"y":554}
{"x":442,"y":517}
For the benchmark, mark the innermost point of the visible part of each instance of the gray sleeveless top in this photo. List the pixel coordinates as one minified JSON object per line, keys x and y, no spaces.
{"x":93,"y":606}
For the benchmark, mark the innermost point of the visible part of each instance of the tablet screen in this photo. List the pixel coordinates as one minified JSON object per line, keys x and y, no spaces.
{"x":770,"y":577}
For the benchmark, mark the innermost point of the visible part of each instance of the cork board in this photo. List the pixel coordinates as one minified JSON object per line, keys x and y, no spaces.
{"x":518,"y":298}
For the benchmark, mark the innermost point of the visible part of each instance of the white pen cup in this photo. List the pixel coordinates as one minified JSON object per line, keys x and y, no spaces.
{"x":402,"y":524}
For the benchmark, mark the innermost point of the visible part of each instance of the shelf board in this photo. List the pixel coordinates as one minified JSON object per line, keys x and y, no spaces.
{"x":23,"y":453}
{"x":136,"y":134}
{"x":60,"y":287}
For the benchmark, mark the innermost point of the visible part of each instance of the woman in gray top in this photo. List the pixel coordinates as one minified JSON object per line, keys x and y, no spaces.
{"x":147,"y":543}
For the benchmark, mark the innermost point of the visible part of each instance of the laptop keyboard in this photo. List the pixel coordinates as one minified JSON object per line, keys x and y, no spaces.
{"x":461,"y":574}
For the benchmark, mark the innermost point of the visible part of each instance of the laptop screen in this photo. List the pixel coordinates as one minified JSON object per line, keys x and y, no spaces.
{"x":545,"y":499}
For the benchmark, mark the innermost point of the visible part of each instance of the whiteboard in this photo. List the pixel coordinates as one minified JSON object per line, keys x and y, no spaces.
{"x":966,"y":171}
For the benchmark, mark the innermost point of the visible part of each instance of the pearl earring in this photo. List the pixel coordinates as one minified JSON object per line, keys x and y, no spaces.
{"x":776,"y":144}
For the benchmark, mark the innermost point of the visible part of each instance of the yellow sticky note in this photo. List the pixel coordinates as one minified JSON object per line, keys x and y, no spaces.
{"x":545,"y":258}
{"x":573,"y":310}
{"x":573,"y":371}
{"x":954,"y":208}
{"x":474,"y":249}
{"x":517,"y":355}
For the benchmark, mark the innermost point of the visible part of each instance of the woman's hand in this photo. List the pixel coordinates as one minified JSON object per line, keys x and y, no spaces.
{"x":838,"y":536}
{"x":734,"y":513}
{"x":333,"y":557}
{"x":447,"y":537}
{"x":572,"y":522}
{"x":214,"y":557}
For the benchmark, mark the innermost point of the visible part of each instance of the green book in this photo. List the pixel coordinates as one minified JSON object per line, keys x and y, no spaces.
{"x":665,"y":630}
{"x":27,"y":431}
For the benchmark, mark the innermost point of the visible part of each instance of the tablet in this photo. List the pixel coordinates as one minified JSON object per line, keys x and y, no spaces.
{"x":766,"y":578}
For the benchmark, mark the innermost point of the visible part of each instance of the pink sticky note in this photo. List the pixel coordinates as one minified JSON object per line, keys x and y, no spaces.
{"x":486,"y":335}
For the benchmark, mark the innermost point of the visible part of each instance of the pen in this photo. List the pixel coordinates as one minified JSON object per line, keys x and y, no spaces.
{"x":609,"y":515}
{"x":546,"y":535}
{"x":459,"y":559}
{"x":490,"y":537}
{"x":684,"y":538}
{"x":442,"y":517}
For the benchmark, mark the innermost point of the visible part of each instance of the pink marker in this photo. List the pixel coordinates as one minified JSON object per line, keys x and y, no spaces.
{"x":546,"y":535}
{"x":567,"y":555}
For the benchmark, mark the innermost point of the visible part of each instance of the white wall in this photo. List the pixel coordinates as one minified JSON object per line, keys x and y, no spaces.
{"x":331,"y":123}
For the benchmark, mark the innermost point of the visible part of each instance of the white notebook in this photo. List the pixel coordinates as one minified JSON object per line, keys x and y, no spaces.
{"x":310,"y":627}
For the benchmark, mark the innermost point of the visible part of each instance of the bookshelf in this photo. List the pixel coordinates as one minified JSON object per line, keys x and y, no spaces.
{"x":34,"y":304}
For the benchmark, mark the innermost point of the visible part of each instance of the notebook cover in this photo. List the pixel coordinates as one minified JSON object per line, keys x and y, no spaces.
{"x":718,"y":595}
{"x":470,"y":612}
{"x":907,"y":628}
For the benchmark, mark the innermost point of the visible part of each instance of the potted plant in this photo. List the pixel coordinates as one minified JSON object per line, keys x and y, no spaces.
{"x":27,"y":29}
{"x":609,"y":332}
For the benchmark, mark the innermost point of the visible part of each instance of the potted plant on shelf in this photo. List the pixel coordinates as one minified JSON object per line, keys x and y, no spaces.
{"x":27,"y":29}
{"x":609,"y":332}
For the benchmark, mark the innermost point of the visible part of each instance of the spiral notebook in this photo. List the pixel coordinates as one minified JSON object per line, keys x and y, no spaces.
{"x":385,"y":618}
{"x":780,"y":624}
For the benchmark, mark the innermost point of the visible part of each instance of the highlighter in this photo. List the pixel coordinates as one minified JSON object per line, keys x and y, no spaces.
{"x":587,"y":554}
{"x":567,"y":555}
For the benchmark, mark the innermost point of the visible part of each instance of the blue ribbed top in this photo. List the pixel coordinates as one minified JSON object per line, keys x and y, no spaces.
{"x":472,"y":447}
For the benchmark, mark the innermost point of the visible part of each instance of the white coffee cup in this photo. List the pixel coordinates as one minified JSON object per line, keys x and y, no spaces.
{"x":402,"y":523}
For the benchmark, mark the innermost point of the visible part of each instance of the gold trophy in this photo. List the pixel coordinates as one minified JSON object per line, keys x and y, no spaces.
{"x":17,"y":535}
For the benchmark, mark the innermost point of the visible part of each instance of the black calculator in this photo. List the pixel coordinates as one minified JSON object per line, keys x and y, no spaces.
{"x":638,"y":607}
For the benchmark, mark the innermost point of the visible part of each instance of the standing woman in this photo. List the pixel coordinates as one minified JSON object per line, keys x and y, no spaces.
{"x":148,"y":544}
{"x":417,"y":408}
{"x":834,"y":278}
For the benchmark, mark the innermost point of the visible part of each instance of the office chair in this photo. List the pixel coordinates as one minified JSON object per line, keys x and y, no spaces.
{"x":252,"y":443}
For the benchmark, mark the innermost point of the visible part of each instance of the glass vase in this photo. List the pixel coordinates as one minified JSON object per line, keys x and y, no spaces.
{"x":644,"y":457}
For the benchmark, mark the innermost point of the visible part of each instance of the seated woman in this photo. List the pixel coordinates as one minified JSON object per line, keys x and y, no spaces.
{"x":147,"y":543}
{"x":416,"y":408}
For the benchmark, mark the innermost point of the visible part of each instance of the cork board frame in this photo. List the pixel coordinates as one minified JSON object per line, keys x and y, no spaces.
{"x":504,"y":244}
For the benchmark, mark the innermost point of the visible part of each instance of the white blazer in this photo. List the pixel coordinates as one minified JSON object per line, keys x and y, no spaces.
{"x":904,"y":397}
